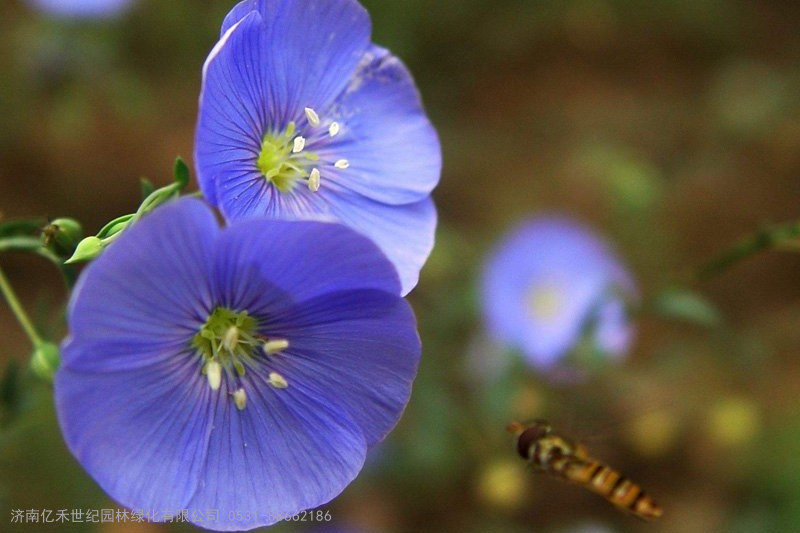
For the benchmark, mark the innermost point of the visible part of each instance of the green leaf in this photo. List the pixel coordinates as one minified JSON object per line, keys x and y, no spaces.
{"x":28,"y":244}
{"x":686,"y":305}
{"x":20,"y":244}
{"x":21,"y":227}
{"x":181,"y":173}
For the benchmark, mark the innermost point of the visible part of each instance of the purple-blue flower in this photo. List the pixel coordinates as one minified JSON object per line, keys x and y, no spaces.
{"x":301,"y":116}
{"x":89,"y":9}
{"x":244,"y":370}
{"x":552,"y":285}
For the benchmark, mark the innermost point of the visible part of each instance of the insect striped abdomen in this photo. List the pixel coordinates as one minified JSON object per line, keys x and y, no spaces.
{"x":614,"y":487}
{"x":555,"y":455}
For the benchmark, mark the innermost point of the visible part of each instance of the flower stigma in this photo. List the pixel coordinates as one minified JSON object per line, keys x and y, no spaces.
{"x":227,"y":344}
{"x":285,"y":158}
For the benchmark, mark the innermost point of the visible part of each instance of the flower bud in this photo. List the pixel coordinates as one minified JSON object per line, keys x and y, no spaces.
{"x":62,"y":235}
{"x":45,"y":360}
{"x":87,"y":249}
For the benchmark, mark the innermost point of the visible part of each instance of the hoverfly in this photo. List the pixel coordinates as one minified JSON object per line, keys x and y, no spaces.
{"x":555,"y":455}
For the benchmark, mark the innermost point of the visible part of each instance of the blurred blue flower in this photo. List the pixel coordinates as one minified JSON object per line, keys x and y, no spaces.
{"x":244,"y":370}
{"x":553,"y":285}
{"x":301,"y":117}
{"x":90,"y":9}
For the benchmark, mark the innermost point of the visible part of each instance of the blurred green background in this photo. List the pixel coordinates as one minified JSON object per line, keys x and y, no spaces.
{"x":673,"y":126}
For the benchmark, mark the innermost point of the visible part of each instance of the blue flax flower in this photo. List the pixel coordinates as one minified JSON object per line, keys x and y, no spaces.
{"x":239,"y":374}
{"x":88,"y":9}
{"x":301,"y":116}
{"x":553,"y":286}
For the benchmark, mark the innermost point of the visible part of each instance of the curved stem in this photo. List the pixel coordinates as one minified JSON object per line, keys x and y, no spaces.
{"x":19,"y":312}
{"x":784,"y":236}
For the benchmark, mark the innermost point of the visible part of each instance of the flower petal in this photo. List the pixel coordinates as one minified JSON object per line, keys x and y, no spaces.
{"x":360,"y":349}
{"x":288,"y":450}
{"x":233,"y":115}
{"x":111,"y":355}
{"x":393,"y":150}
{"x":405,"y":233}
{"x":303,"y":259}
{"x":151,"y":287}
{"x":236,"y":14}
{"x":313,"y":50}
{"x":139,"y":432}
{"x":614,"y":332}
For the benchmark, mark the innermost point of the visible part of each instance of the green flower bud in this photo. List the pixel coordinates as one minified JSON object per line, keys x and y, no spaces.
{"x":62,"y":235}
{"x":87,"y":249}
{"x":45,"y":361}
{"x":115,"y":226}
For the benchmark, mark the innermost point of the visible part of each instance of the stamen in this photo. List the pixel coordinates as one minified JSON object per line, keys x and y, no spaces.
{"x":231,"y":339}
{"x":273,"y":346}
{"x":342,"y":163}
{"x":312,"y":117}
{"x":214,"y":374}
{"x":314,"y":180}
{"x":240,"y":399}
{"x":299,"y":144}
{"x":333,"y":129}
{"x":277,"y":381}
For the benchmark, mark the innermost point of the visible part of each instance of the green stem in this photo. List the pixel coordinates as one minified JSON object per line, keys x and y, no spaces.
{"x":771,"y":238}
{"x":16,"y":307}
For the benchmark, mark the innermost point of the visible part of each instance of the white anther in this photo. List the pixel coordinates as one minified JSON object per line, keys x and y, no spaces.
{"x":314,"y":180}
{"x":342,"y":163}
{"x":273,"y":346}
{"x":277,"y":381}
{"x":231,"y":339}
{"x":312,"y":117}
{"x":299,"y":144}
{"x":240,"y":399}
{"x":333,"y":129}
{"x":214,"y":374}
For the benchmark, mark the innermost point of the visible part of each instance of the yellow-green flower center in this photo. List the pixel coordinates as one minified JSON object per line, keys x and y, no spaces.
{"x":229,"y":339}
{"x":283,"y":160}
{"x":546,"y":301}
{"x":227,"y":343}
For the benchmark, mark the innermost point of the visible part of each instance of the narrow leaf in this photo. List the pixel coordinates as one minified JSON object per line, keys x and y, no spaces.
{"x":685,"y":305}
{"x":181,"y":173}
{"x":21,"y":227}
